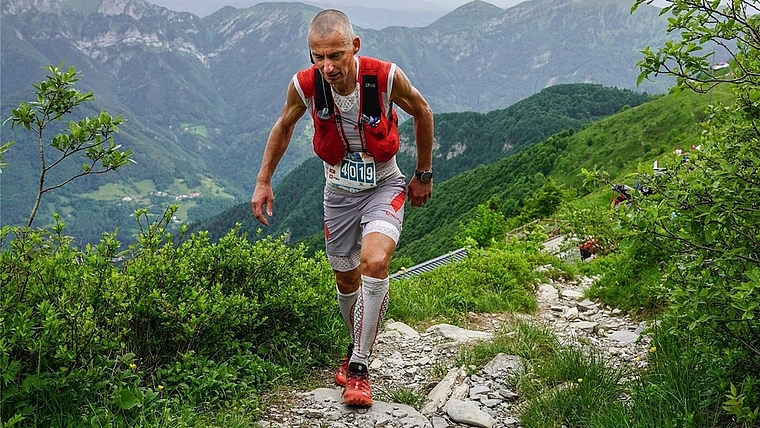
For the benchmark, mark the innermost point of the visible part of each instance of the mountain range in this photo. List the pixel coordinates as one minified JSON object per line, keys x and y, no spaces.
{"x":200,"y":94}
{"x":405,"y":13}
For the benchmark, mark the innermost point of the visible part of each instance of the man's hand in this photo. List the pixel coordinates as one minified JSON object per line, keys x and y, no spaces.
{"x":419,"y":192}
{"x":262,"y":195}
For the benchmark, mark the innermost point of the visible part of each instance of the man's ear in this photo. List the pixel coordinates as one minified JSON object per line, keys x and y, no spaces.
{"x":357,"y":45}
{"x":311,"y":58}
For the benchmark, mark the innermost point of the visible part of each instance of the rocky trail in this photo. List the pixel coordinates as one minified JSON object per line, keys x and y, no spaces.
{"x":406,"y":360}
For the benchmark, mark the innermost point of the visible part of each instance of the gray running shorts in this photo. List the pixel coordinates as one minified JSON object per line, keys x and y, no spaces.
{"x":346,"y":215}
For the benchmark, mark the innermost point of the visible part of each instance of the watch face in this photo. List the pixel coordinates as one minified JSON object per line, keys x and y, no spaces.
{"x":425,"y":176}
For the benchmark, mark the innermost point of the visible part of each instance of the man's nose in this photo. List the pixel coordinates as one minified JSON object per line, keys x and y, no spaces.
{"x":328,"y":67}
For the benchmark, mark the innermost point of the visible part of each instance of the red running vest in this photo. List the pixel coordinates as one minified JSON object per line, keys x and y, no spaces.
{"x":379,"y":135}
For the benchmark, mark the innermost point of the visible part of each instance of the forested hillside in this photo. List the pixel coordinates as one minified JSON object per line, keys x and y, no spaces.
{"x":618,"y":143}
{"x":464,"y":141}
{"x":467,"y":140}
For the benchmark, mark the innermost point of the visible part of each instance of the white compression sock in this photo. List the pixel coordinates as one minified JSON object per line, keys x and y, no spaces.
{"x":346,"y":303}
{"x":369,"y":311}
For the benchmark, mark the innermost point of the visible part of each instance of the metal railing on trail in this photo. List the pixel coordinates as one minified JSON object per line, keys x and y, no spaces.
{"x":551,"y":227}
{"x":431,"y":264}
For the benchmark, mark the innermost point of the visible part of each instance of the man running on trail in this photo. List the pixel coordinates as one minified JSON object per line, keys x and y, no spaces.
{"x":350,"y":98}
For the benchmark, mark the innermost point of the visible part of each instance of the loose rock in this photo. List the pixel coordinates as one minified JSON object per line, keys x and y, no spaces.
{"x":404,"y":359}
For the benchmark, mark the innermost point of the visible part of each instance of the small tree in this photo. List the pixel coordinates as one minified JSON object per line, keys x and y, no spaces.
{"x":90,"y":137}
{"x":487,"y":227}
{"x":544,"y":202}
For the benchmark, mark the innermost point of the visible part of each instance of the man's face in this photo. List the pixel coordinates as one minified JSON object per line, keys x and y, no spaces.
{"x":335,"y":60}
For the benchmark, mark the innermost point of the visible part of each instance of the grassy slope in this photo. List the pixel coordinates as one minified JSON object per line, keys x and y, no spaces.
{"x":619,"y":143}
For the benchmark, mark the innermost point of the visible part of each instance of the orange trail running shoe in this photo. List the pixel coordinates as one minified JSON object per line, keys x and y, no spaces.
{"x":340,"y":375}
{"x":357,"y":391}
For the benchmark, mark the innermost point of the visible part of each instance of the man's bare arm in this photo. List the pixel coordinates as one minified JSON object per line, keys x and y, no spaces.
{"x":409,"y":99}
{"x":277,"y":144}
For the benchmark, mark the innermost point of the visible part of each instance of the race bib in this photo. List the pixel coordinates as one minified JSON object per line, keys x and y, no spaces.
{"x":356,"y":172}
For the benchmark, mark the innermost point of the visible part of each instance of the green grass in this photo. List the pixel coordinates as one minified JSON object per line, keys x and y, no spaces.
{"x":562,"y":385}
{"x":195,"y":129}
{"x":401,"y":395}
{"x":569,"y":387}
{"x":499,"y":281}
{"x":638,"y":135}
{"x":673,"y":392}
{"x":110,"y":192}
{"x":576,"y":386}
{"x":184,"y":207}
{"x":144,"y":186}
{"x":530,"y":341}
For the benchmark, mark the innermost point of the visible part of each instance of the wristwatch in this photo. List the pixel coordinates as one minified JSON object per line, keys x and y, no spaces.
{"x":424,"y":176}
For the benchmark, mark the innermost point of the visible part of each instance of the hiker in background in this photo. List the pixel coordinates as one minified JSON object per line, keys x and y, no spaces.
{"x":351,"y":100}
{"x":588,"y":248}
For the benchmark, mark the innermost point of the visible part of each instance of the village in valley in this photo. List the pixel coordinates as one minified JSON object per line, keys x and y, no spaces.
{"x":160,"y":194}
{"x":153,"y":195}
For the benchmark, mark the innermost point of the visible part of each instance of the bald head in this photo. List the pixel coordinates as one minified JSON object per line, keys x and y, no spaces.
{"x":328,"y":21}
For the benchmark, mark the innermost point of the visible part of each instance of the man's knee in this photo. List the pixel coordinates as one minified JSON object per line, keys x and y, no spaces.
{"x":375,"y":264}
{"x":377,"y":249}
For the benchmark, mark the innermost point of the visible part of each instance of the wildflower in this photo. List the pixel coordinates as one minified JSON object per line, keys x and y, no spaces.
{"x":160,"y":387}
{"x":638,"y":358}
{"x":133,"y":366}
{"x":580,"y":380}
{"x":653,"y":349}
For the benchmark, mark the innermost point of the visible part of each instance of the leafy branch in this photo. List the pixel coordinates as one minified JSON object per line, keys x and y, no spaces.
{"x":92,"y":138}
{"x":732,"y":25}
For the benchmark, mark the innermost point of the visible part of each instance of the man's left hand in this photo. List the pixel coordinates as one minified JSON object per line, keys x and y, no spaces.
{"x":419,"y":192}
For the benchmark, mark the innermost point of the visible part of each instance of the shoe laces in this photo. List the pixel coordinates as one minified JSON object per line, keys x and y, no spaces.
{"x":358,"y":382}
{"x":358,"y":376}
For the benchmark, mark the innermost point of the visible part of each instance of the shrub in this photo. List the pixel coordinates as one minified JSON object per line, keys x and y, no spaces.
{"x":117,"y":336}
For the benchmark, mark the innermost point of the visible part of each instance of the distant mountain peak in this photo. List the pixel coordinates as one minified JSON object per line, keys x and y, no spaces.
{"x":477,"y":6}
{"x":17,"y":7}
{"x":467,"y":15}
